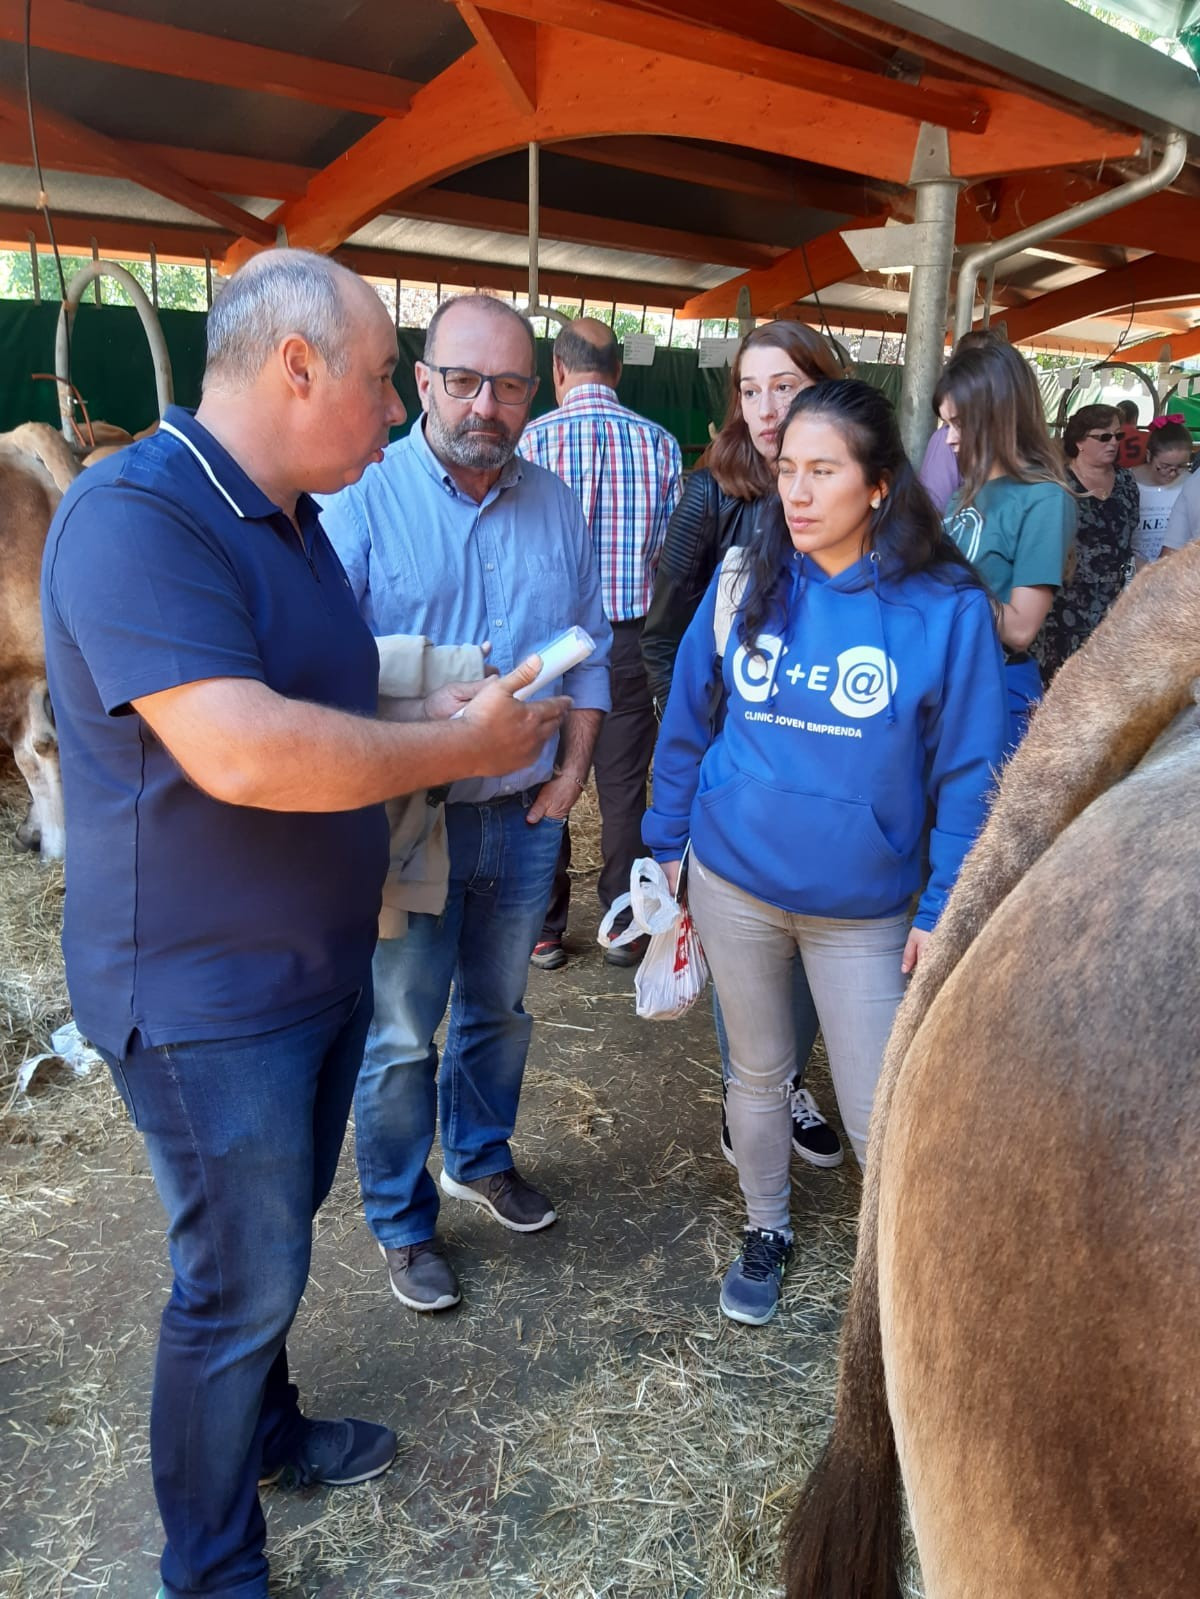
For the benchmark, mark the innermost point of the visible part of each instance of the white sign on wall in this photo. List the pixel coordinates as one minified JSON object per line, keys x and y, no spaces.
{"x":637,"y":349}
{"x":718,"y":352}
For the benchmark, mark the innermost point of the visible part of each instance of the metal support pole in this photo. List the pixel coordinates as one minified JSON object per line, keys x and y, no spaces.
{"x":989,"y":290}
{"x":153,"y":277}
{"x":96,"y":281}
{"x":33,"y":267}
{"x":929,"y":293}
{"x":208,"y":277}
{"x":533,"y":226}
{"x":745,"y":311}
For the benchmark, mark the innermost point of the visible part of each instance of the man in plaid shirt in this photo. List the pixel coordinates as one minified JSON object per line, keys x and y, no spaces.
{"x":626,"y":473}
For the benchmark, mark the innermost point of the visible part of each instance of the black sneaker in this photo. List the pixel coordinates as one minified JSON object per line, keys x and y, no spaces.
{"x":549,"y":955}
{"x":510,"y":1199}
{"x":421,"y":1276}
{"x":336,"y":1452}
{"x":813,"y":1139}
{"x":627,"y":954}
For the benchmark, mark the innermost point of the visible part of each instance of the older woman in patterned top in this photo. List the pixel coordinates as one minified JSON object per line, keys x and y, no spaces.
{"x":1108,"y":508}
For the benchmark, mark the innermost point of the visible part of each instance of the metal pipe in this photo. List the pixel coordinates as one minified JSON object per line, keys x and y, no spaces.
{"x":989,"y":294}
{"x":533,"y":225}
{"x":1159,"y":177}
{"x":928,"y":301}
{"x":94,"y":271}
{"x":33,"y":267}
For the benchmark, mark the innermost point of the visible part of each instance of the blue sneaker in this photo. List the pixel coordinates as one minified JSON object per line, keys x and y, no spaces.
{"x":750,"y":1288}
{"x":336,"y":1452}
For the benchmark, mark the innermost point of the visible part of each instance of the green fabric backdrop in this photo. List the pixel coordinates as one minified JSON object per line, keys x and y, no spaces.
{"x":110,"y":363}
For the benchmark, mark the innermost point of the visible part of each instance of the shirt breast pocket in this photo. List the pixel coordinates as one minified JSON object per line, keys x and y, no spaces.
{"x":552,"y":597}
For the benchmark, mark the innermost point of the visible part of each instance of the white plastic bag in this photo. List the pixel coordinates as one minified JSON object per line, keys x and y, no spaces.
{"x":673,"y":970}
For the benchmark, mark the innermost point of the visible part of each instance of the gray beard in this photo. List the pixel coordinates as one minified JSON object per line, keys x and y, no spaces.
{"x":464,"y":447}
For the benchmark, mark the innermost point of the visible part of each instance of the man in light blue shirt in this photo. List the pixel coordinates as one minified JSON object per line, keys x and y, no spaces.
{"x":455,"y":537}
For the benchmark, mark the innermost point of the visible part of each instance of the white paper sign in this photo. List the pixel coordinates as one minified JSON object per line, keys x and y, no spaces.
{"x":718,"y":352}
{"x":637,"y":349}
{"x":870,"y":347}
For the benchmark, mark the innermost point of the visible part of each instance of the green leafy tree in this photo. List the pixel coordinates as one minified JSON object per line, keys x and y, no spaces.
{"x":180,"y":288}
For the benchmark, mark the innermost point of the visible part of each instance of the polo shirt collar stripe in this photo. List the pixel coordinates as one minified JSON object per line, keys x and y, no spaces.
{"x":240,"y":492}
{"x":167,"y":427}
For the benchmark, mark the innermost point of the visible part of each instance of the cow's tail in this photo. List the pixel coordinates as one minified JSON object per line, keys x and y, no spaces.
{"x":843,"y":1539}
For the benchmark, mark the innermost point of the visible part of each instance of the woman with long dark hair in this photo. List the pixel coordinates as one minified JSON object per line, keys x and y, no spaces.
{"x":863,"y":690}
{"x":719,"y":510}
{"x":1013,"y":516}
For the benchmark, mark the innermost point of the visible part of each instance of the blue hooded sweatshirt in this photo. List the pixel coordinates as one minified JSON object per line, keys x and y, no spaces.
{"x":815,"y":794}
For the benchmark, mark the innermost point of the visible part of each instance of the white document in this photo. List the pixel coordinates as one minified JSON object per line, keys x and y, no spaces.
{"x":637,"y":349}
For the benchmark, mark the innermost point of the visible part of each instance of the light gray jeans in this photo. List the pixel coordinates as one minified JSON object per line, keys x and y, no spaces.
{"x":853,"y":969}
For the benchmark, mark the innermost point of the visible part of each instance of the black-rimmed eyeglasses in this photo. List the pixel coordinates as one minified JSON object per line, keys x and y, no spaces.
{"x":462,"y":383}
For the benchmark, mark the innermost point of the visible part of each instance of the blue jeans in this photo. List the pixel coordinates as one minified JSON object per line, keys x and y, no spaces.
{"x":501,"y":869}
{"x":243,"y":1137}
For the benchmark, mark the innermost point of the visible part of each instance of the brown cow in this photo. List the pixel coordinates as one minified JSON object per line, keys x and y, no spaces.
{"x":1023,"y":1335}
{"x":35,"y":466}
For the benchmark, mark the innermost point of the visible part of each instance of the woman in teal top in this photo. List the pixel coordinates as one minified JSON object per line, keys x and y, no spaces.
{"x":1013,"y":517}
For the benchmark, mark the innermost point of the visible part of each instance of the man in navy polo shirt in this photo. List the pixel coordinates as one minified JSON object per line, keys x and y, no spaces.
{"x":215,"y":692}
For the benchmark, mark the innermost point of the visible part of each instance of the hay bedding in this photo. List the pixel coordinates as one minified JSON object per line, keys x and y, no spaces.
{"x":587,"y":1424}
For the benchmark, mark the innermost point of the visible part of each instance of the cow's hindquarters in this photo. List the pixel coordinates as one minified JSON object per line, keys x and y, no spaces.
{"x":1039,"y":1237}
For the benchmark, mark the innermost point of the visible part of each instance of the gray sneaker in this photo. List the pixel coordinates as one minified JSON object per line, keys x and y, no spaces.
{"x":422,"y":1278}
{"x":510,"y":1199}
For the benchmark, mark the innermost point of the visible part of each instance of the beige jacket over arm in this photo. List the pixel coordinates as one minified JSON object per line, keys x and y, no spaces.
{"x":410,"y":668}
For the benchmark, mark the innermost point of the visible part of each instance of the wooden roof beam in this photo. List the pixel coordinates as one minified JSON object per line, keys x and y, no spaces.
{"x":720,"y":169}
{"x":124,"y":241}
{"x":828,"y":260}
{"x":1166,"y":347}
{"x":132,"y":241}
{"x":796,"y":275}
{"x":120,"y":161}
{"x":70,"y":28}
{"x":510,"y":45}
{"x":713,"y":102}
{"x":1153,"y":277}
{"x":226,"y":174}
{"x":1163,"y":224}
{"x":612,"y":233}
{"x":947,"y":105}
{"x":567,"y":286}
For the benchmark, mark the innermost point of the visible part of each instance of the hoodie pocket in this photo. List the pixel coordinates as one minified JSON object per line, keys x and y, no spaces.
{"x":808,"y":853}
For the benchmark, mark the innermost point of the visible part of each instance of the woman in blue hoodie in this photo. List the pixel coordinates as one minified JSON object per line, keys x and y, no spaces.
{"x":863,"y":691}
